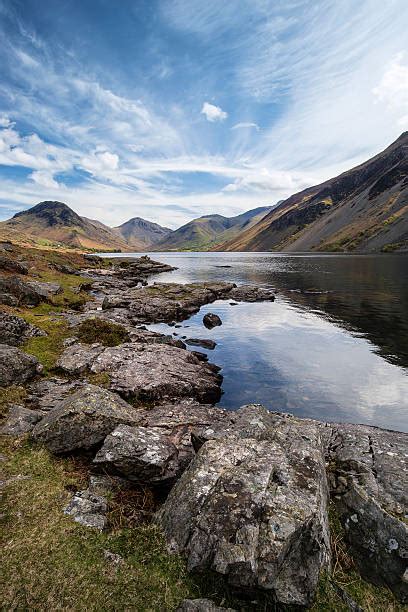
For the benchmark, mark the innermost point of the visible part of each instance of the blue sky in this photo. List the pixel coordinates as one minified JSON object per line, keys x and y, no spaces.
{"x":171,"y":109}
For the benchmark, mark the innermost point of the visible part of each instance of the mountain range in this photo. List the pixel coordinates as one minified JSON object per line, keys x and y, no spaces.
{"x":364,"y":209}
{"x":52,"y":223}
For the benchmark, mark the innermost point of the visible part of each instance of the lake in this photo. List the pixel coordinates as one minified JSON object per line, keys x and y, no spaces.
{"x":333,"y":346}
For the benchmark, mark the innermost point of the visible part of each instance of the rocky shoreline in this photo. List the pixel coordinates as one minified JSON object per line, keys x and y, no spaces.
{"x":248,"y":491}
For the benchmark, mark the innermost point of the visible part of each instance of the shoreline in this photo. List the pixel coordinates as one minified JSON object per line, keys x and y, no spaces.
{"x":142,"y":406}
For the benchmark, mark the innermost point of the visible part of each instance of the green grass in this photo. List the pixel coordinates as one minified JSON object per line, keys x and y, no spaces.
{"x":10,"y":395}
{"x":52,"y":563}
{"x":47,"y":348}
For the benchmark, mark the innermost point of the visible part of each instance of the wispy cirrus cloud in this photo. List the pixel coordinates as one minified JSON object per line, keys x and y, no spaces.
{"x":116,"y":129}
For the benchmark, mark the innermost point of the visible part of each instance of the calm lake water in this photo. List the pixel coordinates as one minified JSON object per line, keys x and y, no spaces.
{"x":333,"y":346}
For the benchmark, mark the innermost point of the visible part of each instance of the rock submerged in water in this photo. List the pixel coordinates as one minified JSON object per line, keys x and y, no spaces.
{"x":203,"y":342}
{"x":211,"y":320}
{"x":252,"y":506}
{"x":17,"y":367}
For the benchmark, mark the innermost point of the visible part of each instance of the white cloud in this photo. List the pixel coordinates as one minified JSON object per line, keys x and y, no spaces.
{"x":244,"y":125}
{"x":268,"y":181}
{"x":45,"y":179}
{"x":100,"y":162}
{"x":213,"y":113}
{"x":392,"y":90}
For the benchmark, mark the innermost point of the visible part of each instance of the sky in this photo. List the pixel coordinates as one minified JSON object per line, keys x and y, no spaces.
{"x":173,"y":109}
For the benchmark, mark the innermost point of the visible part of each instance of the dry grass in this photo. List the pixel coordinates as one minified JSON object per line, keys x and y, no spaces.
{"x":344,"y":577}
{"x":50,"y":562}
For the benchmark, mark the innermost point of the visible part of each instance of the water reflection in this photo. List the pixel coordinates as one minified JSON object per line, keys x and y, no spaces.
{"x":334,"y":345}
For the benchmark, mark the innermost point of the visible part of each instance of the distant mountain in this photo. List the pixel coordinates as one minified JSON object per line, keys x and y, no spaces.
{"x":141,"y":234}
{"x":364,"y":209}
{"x":206,"y":232}
{"x":56,"y":223}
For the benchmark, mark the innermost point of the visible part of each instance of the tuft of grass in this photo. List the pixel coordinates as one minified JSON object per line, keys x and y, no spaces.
{"x":10,"y":395}
{"x":104,"y":332}
{"x":101,"y":379}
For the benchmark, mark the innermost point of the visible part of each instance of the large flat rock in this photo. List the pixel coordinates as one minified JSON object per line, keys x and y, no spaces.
{"x":167,"y":301}
{"x":252,"y":506}
{"x":156,"y":372}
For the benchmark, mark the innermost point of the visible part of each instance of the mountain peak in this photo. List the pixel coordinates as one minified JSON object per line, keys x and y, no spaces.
{"x":52,"y":212}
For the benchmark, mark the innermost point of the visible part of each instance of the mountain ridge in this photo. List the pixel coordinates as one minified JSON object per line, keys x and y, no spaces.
{"x":362,"y":209}
{"x":208,"y":230}
{"x":140,"y":233}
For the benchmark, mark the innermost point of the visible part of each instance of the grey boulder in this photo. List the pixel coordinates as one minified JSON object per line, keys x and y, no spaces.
{"x":14,"y":291}
{"x":370,"y":488}
{"x":20,"y":420}
{"x":143,"y":454}
{"x":15,"y":330}
{"x":252,"y":506}
{"x":78,"y":358}
{"x":45,"y":290}
{"x":48,"y":393}
{"x":88,"y":509}
{"x":16,"y":367}
{"x":11,"y":265}
{"x":82,"y":420}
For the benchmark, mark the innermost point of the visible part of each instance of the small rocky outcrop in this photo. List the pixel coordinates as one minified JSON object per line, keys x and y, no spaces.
{"x":369,"y":481}
{"x":16,"y":367}
{"x":88,"y":508}
{"x":252,"y":506}
{"x":249,"y":293}
{"x":211,"y":320}
{"x":203,"y":342}
{"x":11,"y":265}
{"x":20,"y":420}
{"x":15,"y":330}
{"x":82,"y":420}
{"x":15,"y":292}
{"x":166,"y":301}
{"x":45,"y":290}
{"x":143,"y":267}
